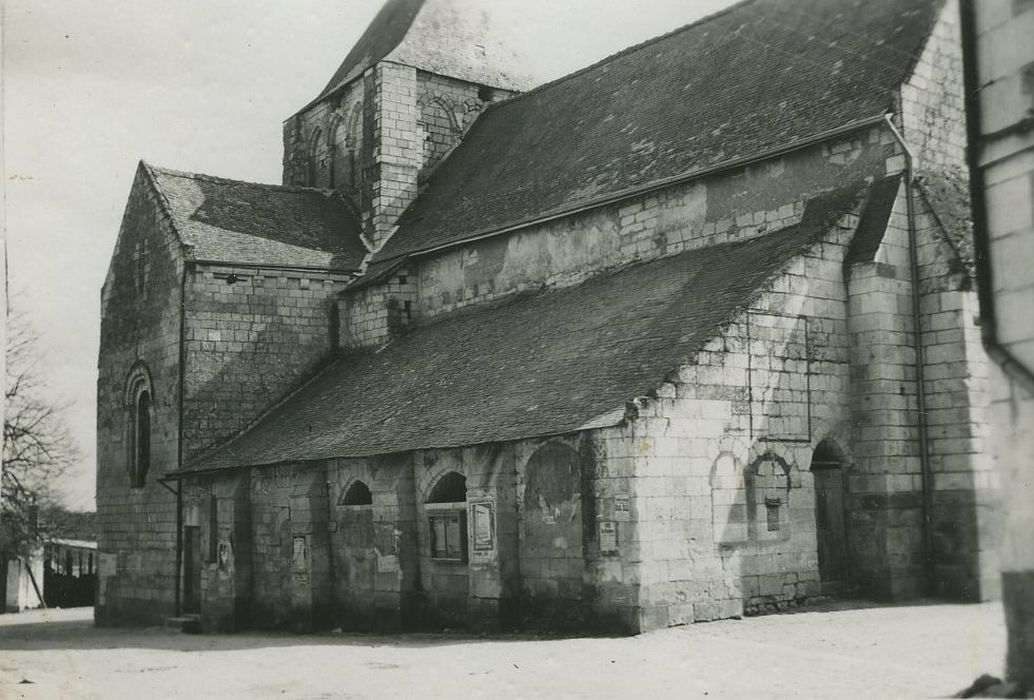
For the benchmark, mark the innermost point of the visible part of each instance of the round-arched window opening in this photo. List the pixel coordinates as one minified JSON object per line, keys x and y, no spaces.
{"x":358,"y":494}
{"x":139,"y":404}
{"x":451,"y":488}
{"x":447,"y":518}
{"x":827,"y":456}
{"x":143,"y":440}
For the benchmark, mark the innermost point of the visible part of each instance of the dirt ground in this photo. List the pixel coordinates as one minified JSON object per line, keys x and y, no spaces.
{"x":832,"y":651}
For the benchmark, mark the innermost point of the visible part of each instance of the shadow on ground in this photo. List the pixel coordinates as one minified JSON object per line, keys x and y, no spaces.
{"x":74,"y":629}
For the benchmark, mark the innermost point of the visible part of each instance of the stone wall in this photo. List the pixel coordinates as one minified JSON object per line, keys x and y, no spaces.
{"x":727,"y":207}
{"x":319,"y":140}
{"x":373,"y":315}
{"x":288,"y":549}
{"x":887,"y":521}
{"x":284,"y":533}
{"x":140,"y":330}
{"x":722,"y":496}
{"x":447,"y":108}
{"x":374,"y":546}
{"x":933,"y":116}
{"x":965,"y":514}
{"x":251,"y":336}
{"x":396,"y":152}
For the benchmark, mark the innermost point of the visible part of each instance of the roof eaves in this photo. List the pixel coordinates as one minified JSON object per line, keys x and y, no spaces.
{"x":277,"y":266}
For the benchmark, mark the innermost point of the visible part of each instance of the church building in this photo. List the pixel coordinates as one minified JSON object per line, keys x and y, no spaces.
{"x":690,"y":333}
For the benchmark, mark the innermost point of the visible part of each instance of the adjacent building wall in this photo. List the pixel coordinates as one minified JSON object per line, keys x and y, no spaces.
{"x":1003,"y":149}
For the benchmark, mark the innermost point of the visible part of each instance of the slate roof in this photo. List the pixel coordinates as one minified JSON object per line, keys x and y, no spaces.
{"x":536,"y":364}
{"x":447,"y":37}
{"x":253,"y":224}
{"x":763,"y":74}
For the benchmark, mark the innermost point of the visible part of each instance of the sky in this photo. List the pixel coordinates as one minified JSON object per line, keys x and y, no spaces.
{"x":92,"y":88}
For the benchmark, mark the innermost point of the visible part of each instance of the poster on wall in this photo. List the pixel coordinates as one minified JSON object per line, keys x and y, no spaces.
{"x":608,"y":537}
{"x":482,"y":516}
{"x":300,"y":555}
{"x":225,"y":559}
{"x":622,"y":506}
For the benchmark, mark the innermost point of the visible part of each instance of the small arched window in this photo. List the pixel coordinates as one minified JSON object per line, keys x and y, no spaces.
{"x":358,"y":494}
{"x":139,"y":413}
{"x":768,"y":495}
{"x":447,"y":518}
{"x":451,"y":488}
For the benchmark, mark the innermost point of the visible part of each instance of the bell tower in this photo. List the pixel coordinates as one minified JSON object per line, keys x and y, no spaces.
{"x":399,"y":102}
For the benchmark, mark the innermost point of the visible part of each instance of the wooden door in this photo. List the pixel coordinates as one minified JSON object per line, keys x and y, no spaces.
{"x":830,"y":525}
{"x":191,"y":569}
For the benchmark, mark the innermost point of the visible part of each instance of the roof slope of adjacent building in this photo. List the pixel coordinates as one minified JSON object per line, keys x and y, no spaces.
{"x":762,"y":75}
{"x":543,"y":363}
{"x":246,"y":223}
{"x":446,"y":37}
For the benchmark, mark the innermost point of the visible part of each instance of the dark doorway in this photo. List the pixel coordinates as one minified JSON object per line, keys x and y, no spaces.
{"x":830,"y":521}
{"x":3,"y":582}
{"x":191,"y":569}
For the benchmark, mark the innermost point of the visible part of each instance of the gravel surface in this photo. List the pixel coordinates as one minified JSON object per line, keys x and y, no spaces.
{"x":831,"y":651}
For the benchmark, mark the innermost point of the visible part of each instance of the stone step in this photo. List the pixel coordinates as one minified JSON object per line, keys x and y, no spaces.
{"x":190,"y":624}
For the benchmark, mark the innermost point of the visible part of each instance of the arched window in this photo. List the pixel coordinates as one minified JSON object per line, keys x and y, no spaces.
{"x":345,"y":139}
{"x":139,"y":413}
{"x":447,"y":518}
{"x":729,"y":516}
{"x":451,"y":488}
{"x":768,"y":496}
{"x":358,"y":494}
{"x":437,"y":126}
{"x":317,"y":160}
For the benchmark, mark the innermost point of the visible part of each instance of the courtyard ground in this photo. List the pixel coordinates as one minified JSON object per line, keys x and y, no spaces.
{"x":828,"y":651}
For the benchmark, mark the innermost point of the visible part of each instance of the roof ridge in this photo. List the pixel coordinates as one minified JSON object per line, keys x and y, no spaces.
{"x":228,"y":180}
{"x":623,"y":52}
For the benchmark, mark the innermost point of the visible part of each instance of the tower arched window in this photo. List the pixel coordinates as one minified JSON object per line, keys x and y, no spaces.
{"x":139,"y":400}
{"x":345,"y":139}
{"x":317,"y":160}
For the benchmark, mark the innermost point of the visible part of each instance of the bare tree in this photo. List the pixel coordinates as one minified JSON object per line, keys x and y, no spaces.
{"x":38,"y":448}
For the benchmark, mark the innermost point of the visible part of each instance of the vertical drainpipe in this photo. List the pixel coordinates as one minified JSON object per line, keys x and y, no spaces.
{"x":179,"y":443}
{"x":920,"y":363}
